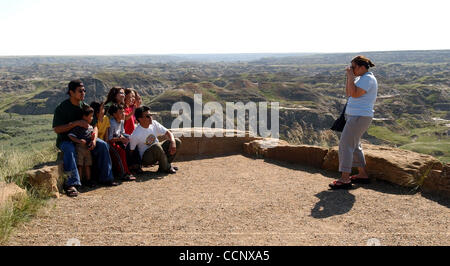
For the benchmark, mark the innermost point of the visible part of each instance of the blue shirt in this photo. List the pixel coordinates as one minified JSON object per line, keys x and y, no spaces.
{"x":116,"y":129}
{"x":363,"y":106}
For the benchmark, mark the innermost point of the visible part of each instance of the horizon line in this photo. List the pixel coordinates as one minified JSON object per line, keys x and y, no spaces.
{"x":230,"y":53}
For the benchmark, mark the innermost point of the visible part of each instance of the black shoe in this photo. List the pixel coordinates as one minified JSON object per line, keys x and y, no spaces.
{"x":172,"y":170}
{"x":175,"y":168}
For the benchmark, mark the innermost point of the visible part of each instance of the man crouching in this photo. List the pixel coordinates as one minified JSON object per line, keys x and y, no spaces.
{"x":145,"y":137}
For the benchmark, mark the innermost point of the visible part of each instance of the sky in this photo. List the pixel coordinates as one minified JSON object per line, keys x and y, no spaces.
{"x":110,"y":27}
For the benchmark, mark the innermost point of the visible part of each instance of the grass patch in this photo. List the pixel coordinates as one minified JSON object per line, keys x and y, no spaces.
{"x":29,"y":141}
{"x":422,"y":137}
{"x":17,"y":212}
{"x":13,"y":164}
{"x":26,"y":132}
{"x":386,"y":134}
{"x":438,"y":149}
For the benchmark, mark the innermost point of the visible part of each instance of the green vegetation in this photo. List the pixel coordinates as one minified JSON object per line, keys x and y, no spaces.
{"x":13,"y":164}
{"x":439,"y":149}
{"x":25,"y":141}
{"x":19,"y":211}
{"x":417,"y":136}
{"x":26,"y":132}
{"x":386,"y":134}
{"x":7,"y":99}
{"x":414,"y":89}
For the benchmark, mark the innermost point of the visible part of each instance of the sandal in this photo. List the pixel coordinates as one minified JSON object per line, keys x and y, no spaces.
{"x":340,"y":185}
{"x":359,"y":180}
{"x":71,"y":192}
{"x":129,"y":177}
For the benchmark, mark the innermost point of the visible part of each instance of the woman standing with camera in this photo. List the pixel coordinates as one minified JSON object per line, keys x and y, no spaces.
{"x":361,"y":88}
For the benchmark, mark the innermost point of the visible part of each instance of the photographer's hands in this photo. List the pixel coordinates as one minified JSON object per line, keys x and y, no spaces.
{"x":349,"y":72}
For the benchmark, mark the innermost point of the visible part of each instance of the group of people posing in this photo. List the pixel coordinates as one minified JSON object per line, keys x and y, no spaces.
{"x":109,"y":140}
{"x":120,"y":135}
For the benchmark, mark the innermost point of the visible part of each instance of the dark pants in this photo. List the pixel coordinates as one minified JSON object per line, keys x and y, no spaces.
{"x":133,"y":158}
{"x":100,"y":155}
{"x":159,"y":152}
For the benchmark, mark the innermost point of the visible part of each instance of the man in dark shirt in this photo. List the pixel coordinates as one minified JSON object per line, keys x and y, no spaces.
{"x":68,"y":115}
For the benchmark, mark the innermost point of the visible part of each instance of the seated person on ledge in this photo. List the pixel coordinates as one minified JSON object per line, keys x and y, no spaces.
{"x":145,"y":138}
{"x":118,"y":140}
{"x":82,"y":137}
{"x":68,"y":115}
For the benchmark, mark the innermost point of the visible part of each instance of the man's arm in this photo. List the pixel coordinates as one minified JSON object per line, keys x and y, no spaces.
{"x":76,"y":140}
{"x":69,"y":126}
{"x":173,"y":144}
{"x":134,"y":141}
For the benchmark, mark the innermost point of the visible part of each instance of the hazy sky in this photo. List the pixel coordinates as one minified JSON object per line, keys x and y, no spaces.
{"x":98,"y":27}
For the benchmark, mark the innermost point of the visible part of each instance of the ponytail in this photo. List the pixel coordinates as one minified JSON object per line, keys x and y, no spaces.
{"x":361,"y":60}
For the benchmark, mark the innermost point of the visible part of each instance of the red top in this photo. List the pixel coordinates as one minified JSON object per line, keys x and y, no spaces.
{"x":129,"y":124}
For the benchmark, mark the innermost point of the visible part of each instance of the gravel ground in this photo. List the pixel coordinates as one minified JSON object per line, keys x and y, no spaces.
{"x":236,"y":200}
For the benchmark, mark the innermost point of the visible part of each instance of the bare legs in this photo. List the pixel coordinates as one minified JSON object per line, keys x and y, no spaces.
{"x":345,"y":177}
{"x":86,"y":173}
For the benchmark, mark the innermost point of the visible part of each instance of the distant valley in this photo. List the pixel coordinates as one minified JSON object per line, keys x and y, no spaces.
{"x":412,"y":110}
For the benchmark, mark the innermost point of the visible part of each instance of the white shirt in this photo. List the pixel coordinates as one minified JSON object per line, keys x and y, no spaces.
{"x":143,"y":138}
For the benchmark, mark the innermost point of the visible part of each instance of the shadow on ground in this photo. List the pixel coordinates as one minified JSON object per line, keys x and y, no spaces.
{"x":376,"y":184}
{"x":443,"y":200}
{"x":142,"y":177}
{"x":333,"y":202}
{"x":150,"y":175}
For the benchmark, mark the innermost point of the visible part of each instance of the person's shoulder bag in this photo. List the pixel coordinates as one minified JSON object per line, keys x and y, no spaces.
{"x":339,"y":124}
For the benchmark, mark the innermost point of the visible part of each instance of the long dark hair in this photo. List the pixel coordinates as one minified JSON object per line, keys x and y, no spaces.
{"x":112,"y":94}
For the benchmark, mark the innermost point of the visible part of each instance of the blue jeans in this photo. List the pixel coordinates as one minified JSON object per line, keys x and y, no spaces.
{"x":100,"y":155}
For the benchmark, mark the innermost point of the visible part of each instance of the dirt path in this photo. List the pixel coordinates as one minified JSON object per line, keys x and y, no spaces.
{"x":237,"y":200}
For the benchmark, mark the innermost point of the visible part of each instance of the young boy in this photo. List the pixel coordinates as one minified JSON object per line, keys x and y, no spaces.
{"x":118,"y":139}
{"x":83,"y":139}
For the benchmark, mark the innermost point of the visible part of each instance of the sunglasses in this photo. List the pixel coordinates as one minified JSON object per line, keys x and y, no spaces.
{"x":148,"y":116}
{"x":81,"y":91}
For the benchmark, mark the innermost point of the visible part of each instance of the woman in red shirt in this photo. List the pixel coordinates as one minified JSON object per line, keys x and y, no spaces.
{"x":131,"y":103}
